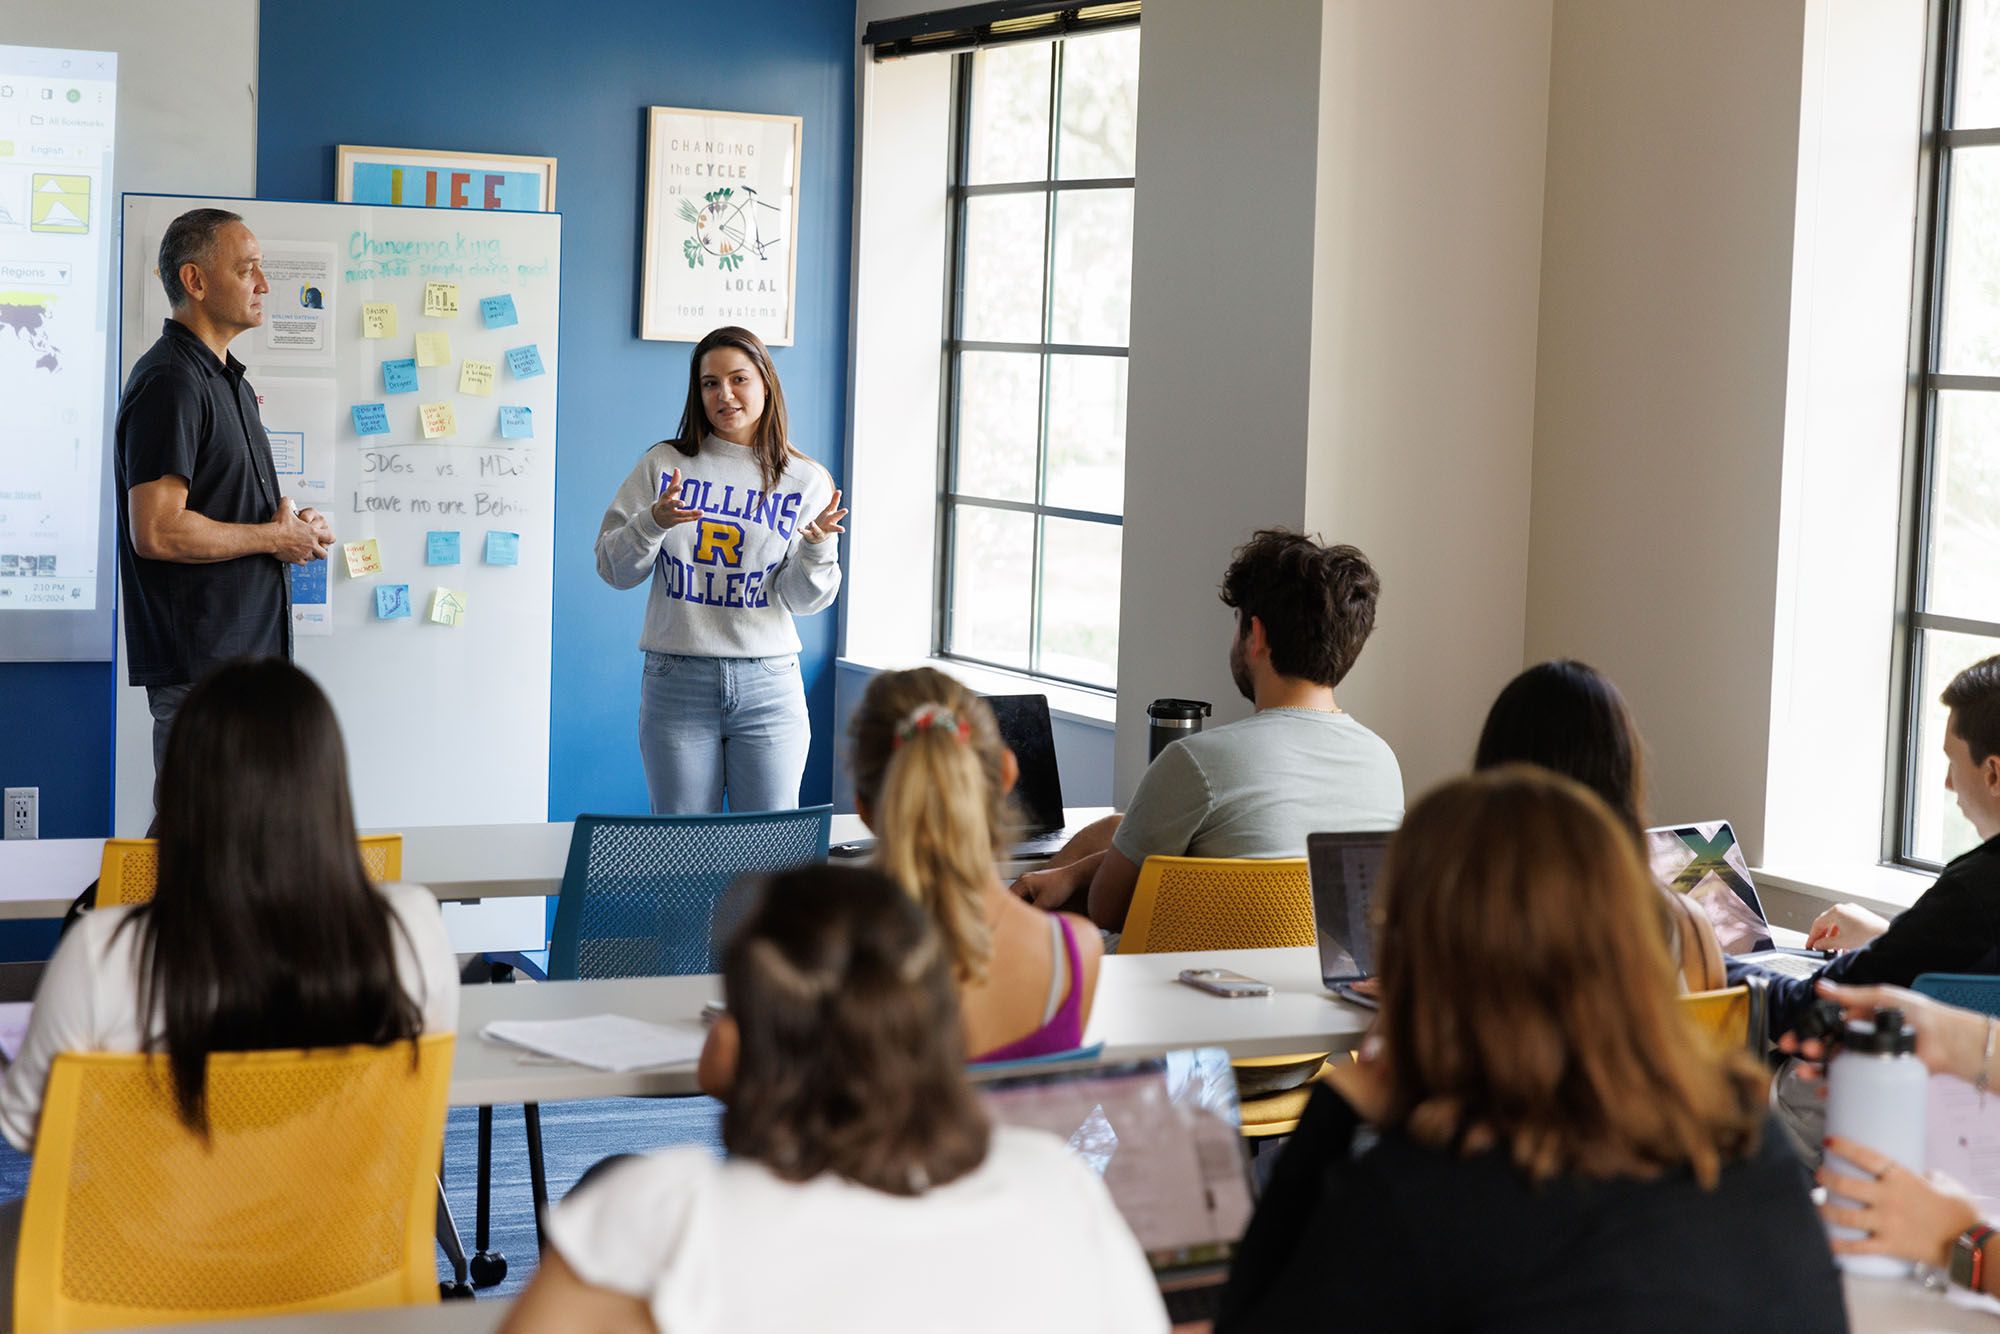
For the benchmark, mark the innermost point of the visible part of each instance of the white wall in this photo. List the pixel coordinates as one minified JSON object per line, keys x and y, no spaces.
{"x":1221,"y":369}
{"x":1433,"y":116}
{"x":1660,"y":394}
{"x":187,"y":123}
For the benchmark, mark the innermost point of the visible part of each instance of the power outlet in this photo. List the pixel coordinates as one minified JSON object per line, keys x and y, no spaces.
{"x":23,"y":812}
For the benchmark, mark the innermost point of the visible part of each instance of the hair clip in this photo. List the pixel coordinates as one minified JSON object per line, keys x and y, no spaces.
{"x":927,"y":716}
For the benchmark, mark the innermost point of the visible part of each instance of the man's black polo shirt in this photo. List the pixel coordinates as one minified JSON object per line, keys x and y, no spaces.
{"x":1953,"y":927}
{"x":185,"y":414}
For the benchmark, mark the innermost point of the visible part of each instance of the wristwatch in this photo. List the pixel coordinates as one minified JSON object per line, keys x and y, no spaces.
{"x":1968,"y":1256}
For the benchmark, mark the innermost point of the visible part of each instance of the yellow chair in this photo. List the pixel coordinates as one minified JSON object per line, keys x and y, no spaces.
{"x":1731,"y":1018}
{"x":130,"y":869}
{"x":316,"y":1190}
{"x":1233,"y":903}
{"x":1218,"y":903}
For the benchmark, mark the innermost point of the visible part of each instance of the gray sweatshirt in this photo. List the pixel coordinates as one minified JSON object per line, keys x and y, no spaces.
{"x":727,"y":584}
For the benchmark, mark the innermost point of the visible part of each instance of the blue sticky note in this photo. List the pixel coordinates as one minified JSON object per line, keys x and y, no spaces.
{"x":309,"y":583}
{"x":503,"y":548}
{"x":371,"y":419}
{"x":441,"y":549}
{"x":400,"y":377}
{"x":517,"y":424}
{"x":498,"y":311}
{"x":524,"y":361}
{"x":392,"y":602}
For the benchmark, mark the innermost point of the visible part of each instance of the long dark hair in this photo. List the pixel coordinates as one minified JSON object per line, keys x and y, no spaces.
{"x":772,"y":440}
{"x":850,"y":1058}
{"x":1567,"y":717}
{"x":264,"y":932}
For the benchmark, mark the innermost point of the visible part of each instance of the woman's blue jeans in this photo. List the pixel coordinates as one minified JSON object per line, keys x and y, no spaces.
{"x":711,"y":728}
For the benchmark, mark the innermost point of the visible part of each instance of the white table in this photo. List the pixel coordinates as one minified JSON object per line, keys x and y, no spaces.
{"x":459,"y":863}
{"x":1139,"y":1011}
{"x":460,"y":1317}
{"x":1874,"y":1306}
{"x":1903,"y":1306}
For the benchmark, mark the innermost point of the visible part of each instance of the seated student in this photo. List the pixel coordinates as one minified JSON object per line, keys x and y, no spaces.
{"x":263,"y":932}
{"x":1569,"y":718}
{"x":1552,"y":1146}
{"x":1257,"y":787}
{"x":864,"y":1187}
{"x":1955,"y":926}
{"x":931,"y":779}
{"x":1928,"y":1219}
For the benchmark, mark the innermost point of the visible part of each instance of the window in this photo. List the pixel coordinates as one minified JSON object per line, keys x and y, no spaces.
{"x":1032,"y":469}
{"x":1951,"y":613}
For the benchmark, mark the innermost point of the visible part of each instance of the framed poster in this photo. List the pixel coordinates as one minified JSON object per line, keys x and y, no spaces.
{"x":722,"y":213}
{"x":438,"y":179}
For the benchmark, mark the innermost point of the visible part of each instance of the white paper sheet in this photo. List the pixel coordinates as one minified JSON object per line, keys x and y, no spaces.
{"x":613,"y":1042}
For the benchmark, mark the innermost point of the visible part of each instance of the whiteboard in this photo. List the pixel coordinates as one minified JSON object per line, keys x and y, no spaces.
{"x":444,"y":724}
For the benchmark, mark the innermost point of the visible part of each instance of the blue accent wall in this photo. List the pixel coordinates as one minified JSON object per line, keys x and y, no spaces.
{"x":573,"y":84}
{"x":55,"y":734}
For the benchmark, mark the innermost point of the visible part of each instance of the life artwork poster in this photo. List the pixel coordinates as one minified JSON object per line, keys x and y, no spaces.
{"x":722,"y":211}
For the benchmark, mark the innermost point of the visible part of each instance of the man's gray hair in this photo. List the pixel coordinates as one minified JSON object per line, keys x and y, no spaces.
{"x":190,"y":239}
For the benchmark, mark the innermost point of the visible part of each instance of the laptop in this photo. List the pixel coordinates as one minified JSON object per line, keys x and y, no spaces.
{"x":1703,"y":861}
{"x":1026,"y":729}
{"x":1164,"y":1136}
{"x":1342,"y":870}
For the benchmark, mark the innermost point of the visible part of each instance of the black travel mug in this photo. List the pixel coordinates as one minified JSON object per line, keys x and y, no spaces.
{"x":1168,"y":720}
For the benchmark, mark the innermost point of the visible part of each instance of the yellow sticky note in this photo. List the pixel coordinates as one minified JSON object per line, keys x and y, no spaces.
{"x":447,"y":606}
{"x":378,"y":319}
{"x":362,"y":558}
{"x":433,"y":349}
{"x":475,"y":377}
{"x":439,"y":419}
{"x":440,"y":298}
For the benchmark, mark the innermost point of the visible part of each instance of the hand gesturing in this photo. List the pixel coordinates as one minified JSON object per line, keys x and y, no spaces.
{"x":667,"y":510}
{"x":828,"y":522}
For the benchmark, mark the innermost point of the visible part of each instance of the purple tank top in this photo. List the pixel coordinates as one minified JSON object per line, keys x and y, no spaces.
{"x":1064,"y":1029}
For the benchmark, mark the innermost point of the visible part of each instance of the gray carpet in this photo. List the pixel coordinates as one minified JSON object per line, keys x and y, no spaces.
{"x":574,"y":1136}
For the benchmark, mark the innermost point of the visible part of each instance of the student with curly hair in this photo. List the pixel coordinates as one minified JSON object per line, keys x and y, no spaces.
{"x":1257,"y":787}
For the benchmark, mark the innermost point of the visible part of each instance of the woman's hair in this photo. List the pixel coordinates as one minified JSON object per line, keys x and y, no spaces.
{"x":928,"y":764}
{"x":1528,"y":1002}
{"x":264,"y":931}
{"x":1567,"y":717}
{"x":850,"y":1059}
{"x":771,"y":441}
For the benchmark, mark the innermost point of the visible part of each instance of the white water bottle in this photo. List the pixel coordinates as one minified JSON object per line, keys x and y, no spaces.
{"x":1876,"y":1095}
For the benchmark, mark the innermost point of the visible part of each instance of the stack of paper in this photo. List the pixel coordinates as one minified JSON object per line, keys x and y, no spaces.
{"x":612,"y":1042}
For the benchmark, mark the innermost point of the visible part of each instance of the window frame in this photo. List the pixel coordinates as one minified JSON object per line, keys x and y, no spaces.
{"x":1920,"y":454}
{"x":950,"y":498}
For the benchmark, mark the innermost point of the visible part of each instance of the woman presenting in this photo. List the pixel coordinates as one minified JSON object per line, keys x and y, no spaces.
{"x":736,"y":529}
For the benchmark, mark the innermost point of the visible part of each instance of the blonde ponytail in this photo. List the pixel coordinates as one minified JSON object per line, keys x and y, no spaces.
{"x":928,"y":764}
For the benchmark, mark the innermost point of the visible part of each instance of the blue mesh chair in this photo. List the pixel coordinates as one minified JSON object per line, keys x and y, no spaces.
{"x":646,"y":896}
{"x":1969,"y":991}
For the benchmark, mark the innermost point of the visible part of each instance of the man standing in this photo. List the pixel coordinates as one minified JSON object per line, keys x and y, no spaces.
{"x":1257,"y":787}
{"x":206,"y":536}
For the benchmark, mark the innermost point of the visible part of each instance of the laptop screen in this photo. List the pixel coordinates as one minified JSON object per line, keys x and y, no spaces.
{"x":1343,"y":868}
{"x":1162,"y":1133}
{"x":1025,"y":728}
{"x":1704,"y":862}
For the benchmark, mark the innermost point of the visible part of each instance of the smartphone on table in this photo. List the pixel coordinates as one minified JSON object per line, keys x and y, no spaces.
{"x":1223,"y":982}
